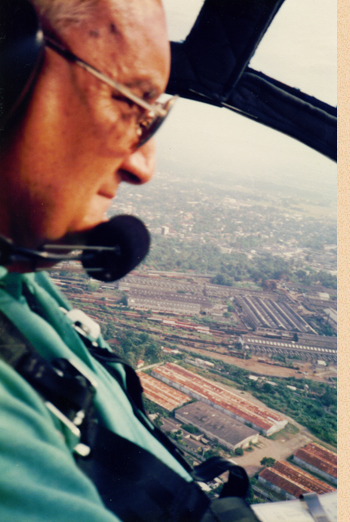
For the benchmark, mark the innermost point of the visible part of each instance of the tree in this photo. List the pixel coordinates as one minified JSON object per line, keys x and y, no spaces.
{"x":239,"y":452}
{"x":93,"y":286}
{"x":267,"y":461}
{"x":152,"y":352}
{"x":329,"y":398}
{"x":123,"y":300}
{"x":267,"y":387}
{"x":189,"y":428}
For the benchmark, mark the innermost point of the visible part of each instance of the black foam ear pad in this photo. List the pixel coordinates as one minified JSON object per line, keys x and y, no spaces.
{"x":21,"y":50}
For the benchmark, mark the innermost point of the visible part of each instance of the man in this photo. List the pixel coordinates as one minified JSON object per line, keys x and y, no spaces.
{"x":75,"y":141}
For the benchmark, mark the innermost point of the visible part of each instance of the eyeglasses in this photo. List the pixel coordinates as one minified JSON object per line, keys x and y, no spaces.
{"x":154,"y":114}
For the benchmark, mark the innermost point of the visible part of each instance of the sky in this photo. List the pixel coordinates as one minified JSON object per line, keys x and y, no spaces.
{"x":299,"y":49}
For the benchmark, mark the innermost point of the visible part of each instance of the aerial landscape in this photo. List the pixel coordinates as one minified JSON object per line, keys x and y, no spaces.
{"x":169,"y":262}
{"x":231,"y":323}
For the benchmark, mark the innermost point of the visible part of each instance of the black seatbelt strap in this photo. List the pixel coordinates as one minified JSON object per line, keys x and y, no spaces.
{"x":137,"y":486}
{"x":67,"y":393}
{"x":238,"y":481}
{"x":60,"y":382}
{"x":134,"y":393}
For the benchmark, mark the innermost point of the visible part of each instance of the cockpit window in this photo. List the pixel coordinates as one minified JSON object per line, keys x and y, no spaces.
{"x":181,"y":15}
{"x":299,"y":48}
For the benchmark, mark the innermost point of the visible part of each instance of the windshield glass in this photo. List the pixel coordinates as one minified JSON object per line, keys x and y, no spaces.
{"x":298,"y":49}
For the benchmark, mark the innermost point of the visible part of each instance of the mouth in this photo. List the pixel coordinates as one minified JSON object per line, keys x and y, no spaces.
{"x":96,"y":213}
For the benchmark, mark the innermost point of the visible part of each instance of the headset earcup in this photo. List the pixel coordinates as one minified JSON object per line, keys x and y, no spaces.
{"x":21,"y":50}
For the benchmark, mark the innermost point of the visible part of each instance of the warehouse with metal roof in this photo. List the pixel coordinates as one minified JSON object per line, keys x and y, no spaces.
{"x":259,"y":418}
{"x":217,"y":426}
{"x":291,"y":482}
{"x":318,"y":460}
{"x":160,"y":393}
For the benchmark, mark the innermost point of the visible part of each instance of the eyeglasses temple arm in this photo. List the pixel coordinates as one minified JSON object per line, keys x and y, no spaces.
{"x":68,"y":55}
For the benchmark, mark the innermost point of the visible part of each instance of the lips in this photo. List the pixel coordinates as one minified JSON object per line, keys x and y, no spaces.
{"x":96,"y":213}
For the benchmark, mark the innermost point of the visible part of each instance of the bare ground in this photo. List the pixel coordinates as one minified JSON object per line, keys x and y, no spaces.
{"x":306,"y":369}
{"x":277,"y":449}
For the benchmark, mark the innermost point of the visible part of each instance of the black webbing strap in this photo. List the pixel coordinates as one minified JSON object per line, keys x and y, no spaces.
{"x":134,"y":393}
{"x":137,"y":486}
{"x":238,"y":481}
{"x":229,"y":509}
{"x":60,"y":382}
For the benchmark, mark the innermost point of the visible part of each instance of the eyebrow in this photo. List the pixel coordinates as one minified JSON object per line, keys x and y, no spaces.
{"x":148,"y":87}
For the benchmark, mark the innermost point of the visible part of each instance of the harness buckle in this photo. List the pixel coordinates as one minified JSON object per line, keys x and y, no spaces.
{"x":81,"y":449}
{"x":83,"y":324}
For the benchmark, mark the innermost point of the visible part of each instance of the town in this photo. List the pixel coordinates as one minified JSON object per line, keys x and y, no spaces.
{"x":231,"y":323}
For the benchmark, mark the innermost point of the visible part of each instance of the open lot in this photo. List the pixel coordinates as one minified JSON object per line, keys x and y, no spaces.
{"x":307,"y":369}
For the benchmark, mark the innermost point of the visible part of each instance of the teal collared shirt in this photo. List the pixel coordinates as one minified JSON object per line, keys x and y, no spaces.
{"x":39,"y":480}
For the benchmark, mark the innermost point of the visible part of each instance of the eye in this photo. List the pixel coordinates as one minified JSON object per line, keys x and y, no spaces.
{"x":121,"y":98}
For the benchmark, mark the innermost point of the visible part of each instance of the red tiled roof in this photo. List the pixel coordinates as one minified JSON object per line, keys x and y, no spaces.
{"x":161,"y":393}
{"x":293,"y":480}
{"x":319,"y":457}
{"x":231,"y":402}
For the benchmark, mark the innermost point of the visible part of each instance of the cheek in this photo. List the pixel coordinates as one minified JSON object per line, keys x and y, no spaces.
{"x":113,"y":130}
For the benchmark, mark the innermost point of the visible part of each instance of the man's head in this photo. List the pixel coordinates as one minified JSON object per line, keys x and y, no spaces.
{"x":76,"y":141}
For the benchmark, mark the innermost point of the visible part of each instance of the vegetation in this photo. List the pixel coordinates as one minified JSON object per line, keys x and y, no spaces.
{"x":268,"y":462}
{"x":151,"y":407}
{"x":132,"y":345}
{"x":314,"y":408}
{"x":190,"y":428}
{"x":214,"y":228}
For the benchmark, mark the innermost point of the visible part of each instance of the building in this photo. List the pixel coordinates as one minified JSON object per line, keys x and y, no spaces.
{"x":291,"y":482}
{"x":160,"y":393}
{"x":258,"y":417}
{"x":217,"y":425}
{"x":164,"y":231}
{"x":159,"y":304}
{"x":199,"y":362}
{"x":332,"y":314}
{"x":318,"y":460}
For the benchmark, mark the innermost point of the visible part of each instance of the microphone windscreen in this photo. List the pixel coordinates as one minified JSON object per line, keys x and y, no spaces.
{"x":130,"y":240}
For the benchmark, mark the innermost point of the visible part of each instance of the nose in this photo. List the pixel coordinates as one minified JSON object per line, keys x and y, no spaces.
{"x":138,"y":167}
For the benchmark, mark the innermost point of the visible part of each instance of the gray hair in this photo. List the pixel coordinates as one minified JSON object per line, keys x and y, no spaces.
{"x":58,"y":14}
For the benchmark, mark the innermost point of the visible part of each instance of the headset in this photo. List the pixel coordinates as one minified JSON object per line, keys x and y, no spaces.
{"x":110,"y":250}
{"x":21,"y":53}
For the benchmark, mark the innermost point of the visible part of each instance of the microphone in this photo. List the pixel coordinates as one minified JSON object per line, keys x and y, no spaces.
{"x":109,"y":251}
{"x":128,"y":240}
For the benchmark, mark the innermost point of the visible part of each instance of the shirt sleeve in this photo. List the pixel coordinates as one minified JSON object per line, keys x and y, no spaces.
{"x":39,"y":480}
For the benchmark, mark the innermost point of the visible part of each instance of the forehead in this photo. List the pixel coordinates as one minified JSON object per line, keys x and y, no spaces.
{"x":128,"y":39}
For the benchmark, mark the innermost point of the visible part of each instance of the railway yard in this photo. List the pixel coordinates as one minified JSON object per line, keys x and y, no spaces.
{"x":192,"y":313}
{"x":268,"y":333}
